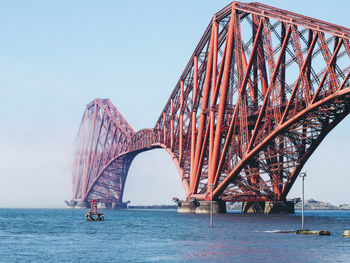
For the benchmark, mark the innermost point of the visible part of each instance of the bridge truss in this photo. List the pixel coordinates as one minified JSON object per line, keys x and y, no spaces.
{"x":261,"y":91}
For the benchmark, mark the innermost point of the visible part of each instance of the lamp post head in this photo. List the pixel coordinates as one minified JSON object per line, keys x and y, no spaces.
{"x":303,"y":174}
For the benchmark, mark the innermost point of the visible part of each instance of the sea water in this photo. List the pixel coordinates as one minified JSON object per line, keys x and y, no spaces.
{"x":63,"y":235}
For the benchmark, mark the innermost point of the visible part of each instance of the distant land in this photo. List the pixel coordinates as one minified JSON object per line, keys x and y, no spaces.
{"x":152,"y":206}
{"x":310,"y":204}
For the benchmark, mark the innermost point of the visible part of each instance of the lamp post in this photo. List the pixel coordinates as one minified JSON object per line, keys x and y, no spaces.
{"x":211,"y":205}
{"x":302,"y":175}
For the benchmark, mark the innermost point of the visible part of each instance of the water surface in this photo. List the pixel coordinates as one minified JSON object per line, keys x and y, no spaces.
{"x":53,"y":235}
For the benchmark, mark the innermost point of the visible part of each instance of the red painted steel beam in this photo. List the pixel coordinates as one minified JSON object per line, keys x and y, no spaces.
{"x":223,"y":95}
{"x":204,"y":102}
{"x":261,"y":91}
{"x":281,"y":128}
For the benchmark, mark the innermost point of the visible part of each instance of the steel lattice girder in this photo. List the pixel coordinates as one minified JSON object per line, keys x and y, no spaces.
{"x":103,"y":135}
{"x":261,"y":91}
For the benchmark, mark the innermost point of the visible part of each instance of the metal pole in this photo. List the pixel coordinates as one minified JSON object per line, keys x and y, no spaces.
{"x":211,"y":205}
{"x":302,"y":217}
{"x":302,"y":175}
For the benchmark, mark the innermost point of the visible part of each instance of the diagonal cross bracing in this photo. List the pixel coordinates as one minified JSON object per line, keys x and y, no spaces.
{"x":261,"y":91}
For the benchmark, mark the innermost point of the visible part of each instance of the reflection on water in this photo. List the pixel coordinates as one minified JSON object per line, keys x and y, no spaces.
{"x":165,"y":236}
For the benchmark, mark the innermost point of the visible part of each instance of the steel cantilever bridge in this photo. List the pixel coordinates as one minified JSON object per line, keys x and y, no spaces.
{"x":261,"y":91}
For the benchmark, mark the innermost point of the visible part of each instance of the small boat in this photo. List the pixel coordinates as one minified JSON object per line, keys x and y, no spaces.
{"x":94,"y":215}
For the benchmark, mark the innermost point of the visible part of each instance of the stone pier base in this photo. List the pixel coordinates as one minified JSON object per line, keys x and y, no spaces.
{"x":112,"y":205}
{"x":201,"y":207}
{"x":271,"y":207}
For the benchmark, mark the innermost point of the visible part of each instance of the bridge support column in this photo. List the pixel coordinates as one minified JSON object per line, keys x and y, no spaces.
{"x":111,"y":205}
{"x":271,"y":207}
{"x":201,"y":207}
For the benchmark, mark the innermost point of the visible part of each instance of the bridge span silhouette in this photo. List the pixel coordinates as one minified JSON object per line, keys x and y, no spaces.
{"x":261,"y":91}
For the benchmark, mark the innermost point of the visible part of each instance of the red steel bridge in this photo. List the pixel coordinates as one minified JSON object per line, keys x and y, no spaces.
{"x":261,"y":91}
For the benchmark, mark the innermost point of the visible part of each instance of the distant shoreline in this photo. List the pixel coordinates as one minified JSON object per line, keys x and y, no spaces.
{"x":152,"y":207}
{"x":175,"y":207}
{"x":234,"y":208}
{"x":309,"y":205}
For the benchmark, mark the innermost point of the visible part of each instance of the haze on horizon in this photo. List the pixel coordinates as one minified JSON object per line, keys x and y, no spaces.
{"x":57,"y":56}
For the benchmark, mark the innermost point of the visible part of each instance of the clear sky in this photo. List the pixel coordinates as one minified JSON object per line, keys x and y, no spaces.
{"x":56,"y":56}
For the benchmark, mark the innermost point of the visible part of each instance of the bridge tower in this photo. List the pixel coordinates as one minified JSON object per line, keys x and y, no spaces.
{"x":261,"y":91}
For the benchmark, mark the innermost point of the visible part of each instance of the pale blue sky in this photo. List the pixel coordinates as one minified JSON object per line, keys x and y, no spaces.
{"x":56,"y":56}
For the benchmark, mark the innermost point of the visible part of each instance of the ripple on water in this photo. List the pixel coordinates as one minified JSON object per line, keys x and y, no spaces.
{"x":34,"y":235}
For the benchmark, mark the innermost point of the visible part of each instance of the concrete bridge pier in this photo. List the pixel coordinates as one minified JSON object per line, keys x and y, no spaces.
{"x":270,"y":207}
{"x":201,"y":207}
{"x":109,"y":205}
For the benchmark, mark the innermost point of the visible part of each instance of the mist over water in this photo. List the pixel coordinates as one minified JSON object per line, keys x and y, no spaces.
{"x":43,"y":235}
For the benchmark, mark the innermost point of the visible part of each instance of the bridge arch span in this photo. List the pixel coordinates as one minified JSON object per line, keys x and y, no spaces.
{"x":106,"y":181}
{"x":261,"y":91}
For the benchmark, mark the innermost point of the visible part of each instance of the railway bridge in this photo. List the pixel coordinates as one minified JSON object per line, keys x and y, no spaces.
{"x":262,"y":89}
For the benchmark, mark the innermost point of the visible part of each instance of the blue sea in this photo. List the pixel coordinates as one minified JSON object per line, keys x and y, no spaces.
{"x":63,"y":235}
